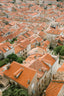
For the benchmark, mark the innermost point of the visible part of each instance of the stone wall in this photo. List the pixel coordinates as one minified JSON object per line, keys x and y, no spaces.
{"x":55,"y":66}
{"x":44,"y":81}
{"x":61,"y":93}
{"x":32,"y":89}
{"x":9,"y":52}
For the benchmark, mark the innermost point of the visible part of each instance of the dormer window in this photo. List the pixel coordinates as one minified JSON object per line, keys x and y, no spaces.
{"x":8,"y":67}
{"x":11,"y":47}
{"x":18,"y":73}
{"x":7,"y":49}
{"x":28,"y":82}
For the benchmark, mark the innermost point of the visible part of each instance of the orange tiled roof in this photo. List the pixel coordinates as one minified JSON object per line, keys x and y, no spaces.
{"x":61,"y":38}
{"x":42,"y":34}
{"x":47,"y":58}
{"x":32,"y":57}
{"x":21,"y":46}
{"x":36,"y":64}
{"x":26,"y":75}
{"x":55,"y":31}
{"x":61,"y":69}
{"x":4,"y":46}
{"x":53,"y":89}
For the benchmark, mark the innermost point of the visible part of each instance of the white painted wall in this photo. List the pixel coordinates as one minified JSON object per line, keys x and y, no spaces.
{"x":55,"y":66}
{"x":28,"y":47}
{"x":9,"y":52}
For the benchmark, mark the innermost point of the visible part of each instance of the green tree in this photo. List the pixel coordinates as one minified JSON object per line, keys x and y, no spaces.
{"x":6,"y":60}
{"x":12,"y":57}
{"x":62,"y":51}
{"x":19,"y":60}
{"x":39,"y":44}
{"x":57,"y":49}
{"x":14,"y":90}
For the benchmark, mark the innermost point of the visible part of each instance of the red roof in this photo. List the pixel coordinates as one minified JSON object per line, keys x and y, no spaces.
{"x":61,"y":69}
{"x":47,"y":58}
{"x":25,"y":73}
{"x":53,"y":89}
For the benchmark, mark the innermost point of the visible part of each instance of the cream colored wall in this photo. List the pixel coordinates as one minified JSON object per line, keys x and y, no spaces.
{"x":61,"y":93}
{"x":33,"y":86}
{"x":9,"y":52}
{"x":46,"y":79}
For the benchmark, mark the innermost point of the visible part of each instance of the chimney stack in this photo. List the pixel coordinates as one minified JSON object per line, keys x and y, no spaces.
{"x":44,"y":94}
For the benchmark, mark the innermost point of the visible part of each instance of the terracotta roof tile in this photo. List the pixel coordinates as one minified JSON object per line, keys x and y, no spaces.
{"x":47,"y":58}
{"x":25,"y":73}
{"x":53,"y":89}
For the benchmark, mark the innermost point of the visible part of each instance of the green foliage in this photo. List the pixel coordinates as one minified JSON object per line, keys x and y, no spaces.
{"x":59,"y":41}
{"x":3,"y":62}
{"x":6,"y":60}
{"x":19,"y":60}
{"x":14,"y":57}
{"x":39,"y":44}
{"x":15,"y":91}
{"x":60,"y":50}
{"x":6,"y":22}
{"x":14,"y":1}
{"x":12,"y":41}
{"x":57,"y":49}
{"x":45,"y":7}
{"x":10,"y":58}
{"x":58,"y":5}
{"x":42,"y":30}
{"x":50,"y":4}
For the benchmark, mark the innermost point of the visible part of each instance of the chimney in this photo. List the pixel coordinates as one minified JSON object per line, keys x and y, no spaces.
{"x":44,"y":94}
{"x":8,"y":67}
{"x":28,"y":82}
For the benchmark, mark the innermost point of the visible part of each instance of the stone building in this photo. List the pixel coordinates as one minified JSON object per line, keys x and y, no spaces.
{"x":59,"y":75}
{"x":52,"y":34}
{"x":55,"y":89}
{"x":25,"y":77}
{"x":6,"y":49}
{"x":34,"y":75}
{"x":45,"y":66}
{"x":42,"y":1}
{"x":22,"y":48}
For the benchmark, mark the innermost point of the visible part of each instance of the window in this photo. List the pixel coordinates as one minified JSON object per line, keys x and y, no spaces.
{"x":33,"y":91}
{"x":32,"y":85}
